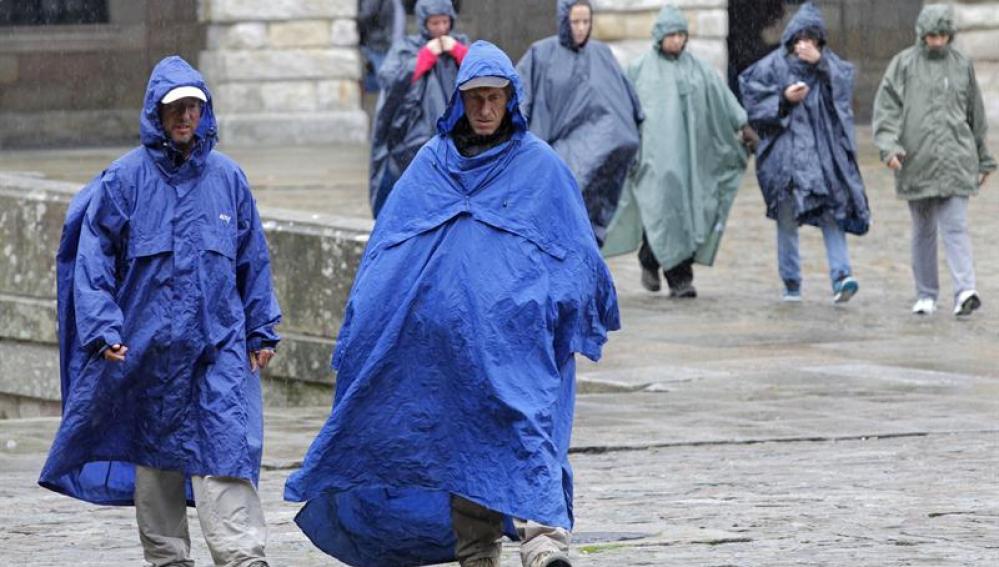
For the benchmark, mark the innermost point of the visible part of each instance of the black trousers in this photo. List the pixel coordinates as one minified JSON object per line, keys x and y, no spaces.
{"x":678,"y":276}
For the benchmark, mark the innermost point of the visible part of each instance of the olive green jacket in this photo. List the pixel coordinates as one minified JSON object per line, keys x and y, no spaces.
{"x":929,"y":111}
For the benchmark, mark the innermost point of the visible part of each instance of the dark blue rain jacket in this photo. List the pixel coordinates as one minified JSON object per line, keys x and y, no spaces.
{"x":169,"y":260}
{"x":579,"y":101}
{"x":455,"y":364}
{"x":807,"y":151}
{"x":407,"y":111}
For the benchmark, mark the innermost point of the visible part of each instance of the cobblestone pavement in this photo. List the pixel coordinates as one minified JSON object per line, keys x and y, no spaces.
{"x":732,"y":430}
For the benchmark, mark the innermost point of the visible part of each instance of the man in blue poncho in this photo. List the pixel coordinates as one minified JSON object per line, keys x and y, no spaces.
{"x":165,"y":314}
{"x":799,"y":100}
{"x":455,"y":363}
{"x":579,"y":101}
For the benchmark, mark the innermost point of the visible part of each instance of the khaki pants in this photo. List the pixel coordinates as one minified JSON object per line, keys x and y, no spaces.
{"x":479,"y":530}
{"x":228,"y":509}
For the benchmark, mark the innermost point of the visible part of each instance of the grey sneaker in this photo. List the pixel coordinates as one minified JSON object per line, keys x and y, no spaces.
{"x":481,"y":562}
{"x":683,"y":291}
{"x":967,"y":302}
{"x":551,"y":559}
{"x":258,"y":564}
{"x":650,"y":280}
{"x":845,"y":289}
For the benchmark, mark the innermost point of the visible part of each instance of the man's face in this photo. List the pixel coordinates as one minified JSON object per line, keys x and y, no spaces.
{"x":180,"y":120}
{"x":439,"y":25}
{"x":580,"y":21}
{"x":937,"y":40}
{"x":485,"y":108}
{"x":673,"y":43}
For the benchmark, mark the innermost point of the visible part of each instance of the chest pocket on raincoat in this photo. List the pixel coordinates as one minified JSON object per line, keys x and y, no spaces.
{"x":218,"y":279}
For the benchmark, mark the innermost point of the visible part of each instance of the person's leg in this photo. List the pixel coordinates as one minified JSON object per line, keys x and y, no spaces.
{"x":478,"y":531}
{"x":650,"y":266}
{"x":161,"y":513}
{"x":788,"y":257}
{"x":924,"y":248}
{"x":837,"y":253}
{"x":232,"y":520}
{"x":680,"y":279}
{"x":952,"y":217}
{"x":543,"y":546}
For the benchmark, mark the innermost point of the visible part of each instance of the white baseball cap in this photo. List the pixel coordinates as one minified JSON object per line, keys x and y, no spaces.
{"x":492,"y":81}
{"x":183,"y":92}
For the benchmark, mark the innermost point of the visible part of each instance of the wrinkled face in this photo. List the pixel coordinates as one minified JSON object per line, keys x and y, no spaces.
{"x":180,"y":120}
{"x":439,"y":25}
{"x":580,"y":20}
{"x":936,"y":40}
{"x":673,"y":43}
{"x":485,"y":108}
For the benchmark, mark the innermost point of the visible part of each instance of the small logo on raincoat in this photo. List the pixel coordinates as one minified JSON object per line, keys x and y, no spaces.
{"x":225,"y":218}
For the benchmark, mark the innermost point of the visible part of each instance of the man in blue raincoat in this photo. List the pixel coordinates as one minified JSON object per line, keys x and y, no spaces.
{"x":455,"y":363}
{"x":165,"y":314}
{"x":579,"y":101}
{"x":416,"y":78}
{"x":799,"y":100}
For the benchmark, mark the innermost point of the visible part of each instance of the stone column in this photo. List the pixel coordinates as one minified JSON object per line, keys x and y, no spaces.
{"x":978,"y":38}
{"x":284,"y":71}
{"x":626,"y":25}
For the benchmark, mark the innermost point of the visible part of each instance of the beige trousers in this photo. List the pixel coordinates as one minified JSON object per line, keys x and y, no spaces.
{"x":229,"y":511}
{"x":479,"y":529}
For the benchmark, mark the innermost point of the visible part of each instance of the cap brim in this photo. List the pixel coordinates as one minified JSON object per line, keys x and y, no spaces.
{"x":488,"y":81}
{"x":183,"y":92}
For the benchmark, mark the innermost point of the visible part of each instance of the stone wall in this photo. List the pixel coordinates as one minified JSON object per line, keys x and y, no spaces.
{"x":978,"y":38}
{"x":314,"y":258}
{"x":284,"y":71}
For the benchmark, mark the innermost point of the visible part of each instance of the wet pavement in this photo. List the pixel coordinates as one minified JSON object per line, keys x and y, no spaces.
{"x":730,"y":430}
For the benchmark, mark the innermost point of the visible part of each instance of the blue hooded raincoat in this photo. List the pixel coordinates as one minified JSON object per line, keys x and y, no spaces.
{"x":455,"y":363}
{"x":579,"y":101}
{"x":171,"y":261}
{"x":808,"y":151}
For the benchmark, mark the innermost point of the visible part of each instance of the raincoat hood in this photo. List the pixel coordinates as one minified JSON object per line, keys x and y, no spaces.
{"x":565,"y":25}
{"x":670,"y":20}
{"x":935,"y":18}
{"x":809,"y":18}
{"x":484,"y":59}
{"x":426,"y":8}
{"x":170,"y":73}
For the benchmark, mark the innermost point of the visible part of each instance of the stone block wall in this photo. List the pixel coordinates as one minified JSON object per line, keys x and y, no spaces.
{"x":314,"y":259}
{"x":627,"y":26}
{"x":284,"y":71}
{"x":978,"y":38}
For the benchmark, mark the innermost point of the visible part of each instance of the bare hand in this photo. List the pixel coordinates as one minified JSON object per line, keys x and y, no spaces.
{"x":260,"y":359}
{"x":984,"y":176}
{"x":895,"y":163}
{"x":435,"y":46}
{"x":796,"y":93}
{"x":115,"y":353}
{"x":447,"y":43}
{"x":807,"y":52}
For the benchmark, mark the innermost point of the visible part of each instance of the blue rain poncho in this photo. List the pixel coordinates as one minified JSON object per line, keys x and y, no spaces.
{"x":407,"y":111}
{"x":807,"y":151}
{"x":170,"y":261}
{"x":579,"y":101}
{"x":455,"y":363}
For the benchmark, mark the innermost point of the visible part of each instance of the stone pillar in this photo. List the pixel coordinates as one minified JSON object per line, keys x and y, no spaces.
{"x":626,"y":25}
{"x":284,"y":71}
{"x":978,"y":38}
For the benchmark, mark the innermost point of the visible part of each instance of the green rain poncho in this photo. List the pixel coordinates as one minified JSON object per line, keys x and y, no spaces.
{"x":929,"y":109}
{"x":690,"y":162}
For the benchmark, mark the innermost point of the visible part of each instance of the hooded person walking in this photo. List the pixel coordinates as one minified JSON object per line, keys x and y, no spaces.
{"x":456,"y":359}
{"x":166,"y":313}
{"x":799,"y":100}
{"x":930,"y":125}
{"x":416,"y":78}
{"x":678,"y":196}
{"x":578,"y":100}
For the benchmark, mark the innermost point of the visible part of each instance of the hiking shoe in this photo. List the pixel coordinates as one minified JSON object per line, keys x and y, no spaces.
{"x":482,"y":562}
{"x":792,"y":291}
{"x":683,"y":291}
{"x":924,"y":306}
{"x":845,"y":289}
{"x":258,"y":564}
{"x":550,"y":559}
{"x":650,"y":280}
{"x":967,"y":302}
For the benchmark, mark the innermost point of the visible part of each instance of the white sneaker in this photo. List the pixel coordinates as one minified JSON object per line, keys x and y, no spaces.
{"x":967,"y":302}
{"x":924,"y":306}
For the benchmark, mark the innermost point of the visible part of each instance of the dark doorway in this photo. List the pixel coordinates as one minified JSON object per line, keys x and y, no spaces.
{"x":52,"y":12}
{"x":513,"y":25}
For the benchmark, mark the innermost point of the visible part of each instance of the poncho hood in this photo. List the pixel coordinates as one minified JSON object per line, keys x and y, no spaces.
{"x":809,"y":18}
{"x":484,"y":60}
{"x":426,"y":8}
{"x":936,"y":19}
{"x":670,"y":20}
{"x":565,"y":25}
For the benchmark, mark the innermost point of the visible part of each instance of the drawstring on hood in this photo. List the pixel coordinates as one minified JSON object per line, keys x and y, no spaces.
{"x":427,"y":8}
{"x":564,"y":23}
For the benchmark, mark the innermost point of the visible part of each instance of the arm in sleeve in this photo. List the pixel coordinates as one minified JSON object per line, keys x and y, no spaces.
{"x":763,"y":95}
{"x":888,"y":106}
{"x":99,"y":319}
{"x":459,"y":51}
{"x":979,"y":125}
{"x":253,"y":276}
{"x":425,"y":61}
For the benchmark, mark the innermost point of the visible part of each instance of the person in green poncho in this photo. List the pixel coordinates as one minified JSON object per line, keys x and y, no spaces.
{"x":677,"y":198}
{"x":929,"y":123}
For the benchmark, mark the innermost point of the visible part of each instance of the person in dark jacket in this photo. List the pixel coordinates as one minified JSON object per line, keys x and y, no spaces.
{"x":166,"y":313}
{"x":799,"y":101}
{"x":579,"y":101}
{"x":380,"y":23}
{"x":417,"y":79}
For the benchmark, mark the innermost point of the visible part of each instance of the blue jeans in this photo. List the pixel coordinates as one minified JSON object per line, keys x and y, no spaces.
{"x":788,"y":257}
